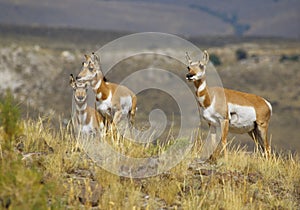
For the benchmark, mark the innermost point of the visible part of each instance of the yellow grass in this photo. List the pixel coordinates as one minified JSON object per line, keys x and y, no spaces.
{"x":60,"y":175}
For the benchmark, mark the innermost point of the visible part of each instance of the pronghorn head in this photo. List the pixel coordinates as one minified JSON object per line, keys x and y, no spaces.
{"x":90,"y":68}
{"x":80,"y":90}
{"x":197,"y":69}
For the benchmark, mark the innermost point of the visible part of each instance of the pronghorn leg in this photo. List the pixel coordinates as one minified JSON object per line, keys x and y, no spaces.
{"x":213,"y":134}
{"x":116,"y":119}
{"x":130,"y":122}
{"x":263,"y":137}
{"x":254,"y":135}
{"x":224,"y":130}
{"x":131,"y":115}
{"x":133,"y":110}
{"x":213,"y":147}
{"x":107,"y":123}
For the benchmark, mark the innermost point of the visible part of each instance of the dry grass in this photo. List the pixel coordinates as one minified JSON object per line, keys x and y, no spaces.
{"x":60,"y":175}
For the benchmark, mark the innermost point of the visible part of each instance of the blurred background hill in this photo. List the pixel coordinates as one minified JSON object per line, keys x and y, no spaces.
{"x":254,"y":45}
{"x":191,"y":17}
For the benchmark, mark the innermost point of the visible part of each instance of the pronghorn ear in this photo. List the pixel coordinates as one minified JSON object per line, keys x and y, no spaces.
{"x":87,"y":58}
{"x":72,"y":81}
{"x":205,"y":57}
{"x":96,"y":57}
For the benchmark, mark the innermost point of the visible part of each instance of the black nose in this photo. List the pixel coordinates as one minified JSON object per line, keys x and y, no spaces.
{"x":189,"y":76}
{"x":80,"y":98}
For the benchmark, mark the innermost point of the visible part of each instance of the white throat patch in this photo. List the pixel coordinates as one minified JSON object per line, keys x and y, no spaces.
{"x":98,"y":84}
{"x":202,"y":86}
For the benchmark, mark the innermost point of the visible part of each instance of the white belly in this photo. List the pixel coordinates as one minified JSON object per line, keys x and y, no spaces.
{"x":241,"y":118}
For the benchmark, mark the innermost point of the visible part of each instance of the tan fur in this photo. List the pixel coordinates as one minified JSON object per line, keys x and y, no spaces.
{"x":93,"y":114}
{"x":91,"y":68}
{"x":80,"y":90}
{"x":223,"y":97}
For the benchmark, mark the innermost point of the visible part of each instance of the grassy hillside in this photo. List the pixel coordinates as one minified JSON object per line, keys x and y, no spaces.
{"x":42,"y":167}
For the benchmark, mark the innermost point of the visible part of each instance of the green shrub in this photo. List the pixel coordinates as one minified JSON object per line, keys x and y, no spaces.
{"x":9,"y":118}
{"x":215,"y":59}
{"x":24,"y":188}
{"x":294,"y":58}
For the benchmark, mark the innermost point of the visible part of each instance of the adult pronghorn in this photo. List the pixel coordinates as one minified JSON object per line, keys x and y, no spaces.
{"x":230,"y":110}
{"x":112,"y":100}
{"x":86,"y":119}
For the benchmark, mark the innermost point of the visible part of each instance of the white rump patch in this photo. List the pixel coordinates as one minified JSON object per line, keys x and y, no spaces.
{"x":241,"y":118}
{"x":126,"y":104}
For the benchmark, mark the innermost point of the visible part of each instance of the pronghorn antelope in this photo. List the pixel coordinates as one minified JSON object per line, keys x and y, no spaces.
{"x":86,"y":119}
{"x":230,"y":110}
{"x":112,"y":100}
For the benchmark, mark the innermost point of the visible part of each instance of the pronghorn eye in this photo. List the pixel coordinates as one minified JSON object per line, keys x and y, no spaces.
{"x":82,"y":63}
{"x":201,"y":65}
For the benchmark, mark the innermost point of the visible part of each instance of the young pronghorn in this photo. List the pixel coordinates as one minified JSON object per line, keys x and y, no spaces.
{"x":112,"y":100}
{"x":232,"y":111}
{"x":86,"y":119}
